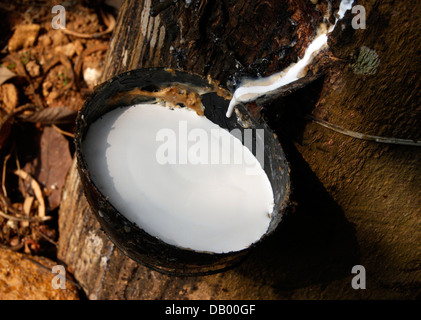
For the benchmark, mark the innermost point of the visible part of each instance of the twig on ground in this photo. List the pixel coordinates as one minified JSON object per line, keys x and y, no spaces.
{"x":109,"y":20}
{"x":3,"y":177}
{"x":46,"y":237}
{"x":28,"y":106}
{"x":30,"y":219}
{"x":27,"y":207}
{"x":37,"y":190}
{"x":65,"y":133}
{"x":13,"y":248}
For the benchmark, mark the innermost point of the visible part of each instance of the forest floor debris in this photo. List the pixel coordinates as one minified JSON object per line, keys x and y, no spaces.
{"x":42,"y":86}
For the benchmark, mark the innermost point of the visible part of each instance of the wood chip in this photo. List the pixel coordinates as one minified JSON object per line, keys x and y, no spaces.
{"x":24,"y":36}
{"x":37,"y":190}
{"x":27,"y":206}
{"x":9,"y":97}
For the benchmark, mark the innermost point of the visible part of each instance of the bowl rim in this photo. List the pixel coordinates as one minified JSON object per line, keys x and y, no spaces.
{"x":232,"y":257}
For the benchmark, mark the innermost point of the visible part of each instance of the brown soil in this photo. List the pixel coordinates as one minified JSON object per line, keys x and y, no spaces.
{"x":44,"y":79}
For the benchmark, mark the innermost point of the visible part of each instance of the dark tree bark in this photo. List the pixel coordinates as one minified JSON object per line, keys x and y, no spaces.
{"x":356,"y":202}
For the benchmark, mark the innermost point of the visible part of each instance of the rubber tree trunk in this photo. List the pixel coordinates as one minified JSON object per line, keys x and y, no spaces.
{"x":355,"y":202}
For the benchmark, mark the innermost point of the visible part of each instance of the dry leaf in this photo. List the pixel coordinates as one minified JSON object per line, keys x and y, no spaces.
{"x":51,"y":164}
{"x":52,"y":115}
{"x":6,"y":74}
{"x":56,"y":161}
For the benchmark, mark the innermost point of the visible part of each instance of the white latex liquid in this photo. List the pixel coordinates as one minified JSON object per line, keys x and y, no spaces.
{"x":205,"y":207}
{"x":251,"y":90}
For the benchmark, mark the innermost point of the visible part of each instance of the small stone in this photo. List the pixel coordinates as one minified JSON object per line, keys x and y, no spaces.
{"x":33,"y":69}
{"x":68,"y":50}
{"x":78,"y":47}
{"x":12,"y":224}
{"x":59,"y":38}
{"x":24,"y":37}
{"x":53,"y":95}
{"x":14,"y":242}
{"x":44,"y":40}
{"x":46,"y":86}
{"x":91,"y":76}
{"x":9,"y":97}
